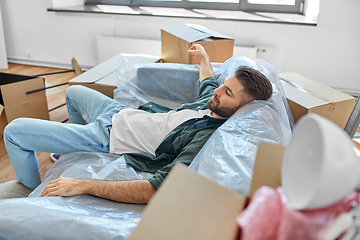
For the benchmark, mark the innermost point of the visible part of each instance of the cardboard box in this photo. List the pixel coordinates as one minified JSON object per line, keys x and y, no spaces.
{"x":103,"y":76}
{"x":16,"y":102}
{"x":177,"y":39}
{"x":308,"y":96}
{"x":190,"y":206}
{"x":267,"y":167}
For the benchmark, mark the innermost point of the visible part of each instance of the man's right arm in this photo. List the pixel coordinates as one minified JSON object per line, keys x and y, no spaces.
{"x":205,"y":66}
{"x":136,"y":191}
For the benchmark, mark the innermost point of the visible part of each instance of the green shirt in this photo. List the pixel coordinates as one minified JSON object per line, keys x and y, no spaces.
{"x":182,"y":143}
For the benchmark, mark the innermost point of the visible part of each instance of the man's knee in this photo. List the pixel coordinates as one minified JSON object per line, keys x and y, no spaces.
{"x":14,"y":126}
{"x":73,"y":90}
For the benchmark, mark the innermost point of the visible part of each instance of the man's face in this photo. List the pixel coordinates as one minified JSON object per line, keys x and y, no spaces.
{"x":228,"y":98}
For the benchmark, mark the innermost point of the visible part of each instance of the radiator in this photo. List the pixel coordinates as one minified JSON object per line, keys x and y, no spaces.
{"x":109,"y":46}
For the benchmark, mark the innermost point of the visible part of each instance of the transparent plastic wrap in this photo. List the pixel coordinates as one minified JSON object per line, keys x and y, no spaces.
{"x":169,"y":84}
{"x":78,"y":217}
{"x":228,"y":156}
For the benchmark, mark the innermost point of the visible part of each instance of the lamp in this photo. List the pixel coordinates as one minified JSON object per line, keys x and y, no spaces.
{"x":320,"y":165}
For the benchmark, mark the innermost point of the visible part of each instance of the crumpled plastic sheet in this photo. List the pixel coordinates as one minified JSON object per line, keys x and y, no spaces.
{"x":270,"y":217}
{"x":228,"y":156}
{"x":78,"y":217}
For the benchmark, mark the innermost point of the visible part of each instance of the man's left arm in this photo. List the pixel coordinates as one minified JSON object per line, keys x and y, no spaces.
{"x":136,"y":191}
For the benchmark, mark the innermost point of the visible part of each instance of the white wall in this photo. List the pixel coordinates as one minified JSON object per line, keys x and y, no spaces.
{"x":328,"y":53}
{"x":3,"y":56}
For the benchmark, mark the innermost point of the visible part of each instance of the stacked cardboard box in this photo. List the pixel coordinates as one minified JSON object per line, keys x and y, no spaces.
{"x":305,"y":95}
{"x":178,"y":38}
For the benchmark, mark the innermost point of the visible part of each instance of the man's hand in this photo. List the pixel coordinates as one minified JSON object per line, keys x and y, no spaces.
{"x":198,"y":51}
{"x":64,"y":187}
{"x":205,"y":67}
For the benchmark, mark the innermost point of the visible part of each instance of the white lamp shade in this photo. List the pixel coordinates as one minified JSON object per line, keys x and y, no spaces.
{"x":320,"y":165}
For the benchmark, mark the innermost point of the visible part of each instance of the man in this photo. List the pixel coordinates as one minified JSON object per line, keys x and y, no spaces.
{"x":152,"y":138}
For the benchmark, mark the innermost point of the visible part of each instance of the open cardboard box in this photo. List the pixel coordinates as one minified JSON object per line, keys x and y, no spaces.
{"x":190,"y":206}
{"x":308,"y":96}
{"x":178,"y":38}
{"x":16,"y":102}
{"x":103,"y":76}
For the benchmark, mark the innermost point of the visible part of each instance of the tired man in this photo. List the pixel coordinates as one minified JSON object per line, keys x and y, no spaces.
{"x":152,"y":138}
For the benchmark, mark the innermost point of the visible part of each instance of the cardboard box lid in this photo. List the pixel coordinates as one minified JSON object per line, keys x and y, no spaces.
{"x":190,"y":206}
{"x":308,"y":92}
{"x":192,"y":33}
{"x":109,"y":67}
{"x":1,"y":109}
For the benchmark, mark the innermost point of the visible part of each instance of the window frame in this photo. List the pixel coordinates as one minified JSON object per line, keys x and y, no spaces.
{"x":243,"y":5}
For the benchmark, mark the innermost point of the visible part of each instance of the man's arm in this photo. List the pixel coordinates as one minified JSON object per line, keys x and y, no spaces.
{"x":137,"y":191}
{"x":205,"y":66}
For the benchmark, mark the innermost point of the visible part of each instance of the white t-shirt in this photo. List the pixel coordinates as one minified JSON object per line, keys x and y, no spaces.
{"x":138,"y":131}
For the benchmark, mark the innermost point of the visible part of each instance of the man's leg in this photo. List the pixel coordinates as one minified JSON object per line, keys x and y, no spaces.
{"x":24,"y":136}
{"x":85,"y":104}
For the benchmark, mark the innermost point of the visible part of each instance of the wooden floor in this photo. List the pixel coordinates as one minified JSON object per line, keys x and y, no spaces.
{"x":58,"y":114}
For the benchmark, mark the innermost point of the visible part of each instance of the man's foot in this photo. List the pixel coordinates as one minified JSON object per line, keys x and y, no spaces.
{"x":55,"y":156}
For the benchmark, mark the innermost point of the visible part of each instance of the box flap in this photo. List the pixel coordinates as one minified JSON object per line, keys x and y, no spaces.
{"x":316,"y":89}
{"x":302,"y":96}
{"x":190,"y":206}
{"x":99,"y":71}
{"x":109,"y":80}
{"x":111,"y":65}
{"x":15,"y":93}
{"x":32,"y":109}
{"x":1,"y":109}
{"x":267,"y":168}
{"x":185,"y":32}
{"x":208,"y":31}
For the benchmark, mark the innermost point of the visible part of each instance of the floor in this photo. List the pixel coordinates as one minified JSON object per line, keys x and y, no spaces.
{"x":55,"y":98}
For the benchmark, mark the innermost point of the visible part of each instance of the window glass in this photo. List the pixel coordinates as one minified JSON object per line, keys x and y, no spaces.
{"x":273,"y":2}
{"x":217,"y":1}
{"x":283,"y":6}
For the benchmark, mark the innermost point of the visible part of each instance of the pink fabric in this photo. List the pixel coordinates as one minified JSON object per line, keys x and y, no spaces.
{"x":269,"y":216}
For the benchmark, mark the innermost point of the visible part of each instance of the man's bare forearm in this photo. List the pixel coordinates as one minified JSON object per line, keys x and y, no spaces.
{"x":205,"y":68}
{"x":137,"y":191}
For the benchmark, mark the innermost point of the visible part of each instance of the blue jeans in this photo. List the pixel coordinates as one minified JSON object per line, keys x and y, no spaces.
{"x":88,"y":130}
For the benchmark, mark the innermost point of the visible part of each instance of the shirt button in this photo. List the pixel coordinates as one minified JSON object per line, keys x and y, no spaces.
{"x":150,"y":105}
{"x":198,"y":107}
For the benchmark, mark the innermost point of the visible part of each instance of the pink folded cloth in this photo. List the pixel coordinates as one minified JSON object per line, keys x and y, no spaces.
{"x":269,"y":216}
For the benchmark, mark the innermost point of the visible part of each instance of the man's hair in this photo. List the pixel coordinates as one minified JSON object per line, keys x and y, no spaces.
{"x":255,"y":84}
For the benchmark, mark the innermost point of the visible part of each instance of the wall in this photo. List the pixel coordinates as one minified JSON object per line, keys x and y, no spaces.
{"x":3,"y":55}
{"x":328,"y":53}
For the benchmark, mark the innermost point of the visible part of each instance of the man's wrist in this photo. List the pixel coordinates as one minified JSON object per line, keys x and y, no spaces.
{"x":85,"y":186}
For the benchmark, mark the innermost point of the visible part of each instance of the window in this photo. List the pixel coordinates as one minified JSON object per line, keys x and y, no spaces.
{"x":284,"y":6}
{"x":288,"y":6}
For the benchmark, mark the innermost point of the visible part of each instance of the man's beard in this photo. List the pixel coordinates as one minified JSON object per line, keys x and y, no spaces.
{"x":224,"y":112}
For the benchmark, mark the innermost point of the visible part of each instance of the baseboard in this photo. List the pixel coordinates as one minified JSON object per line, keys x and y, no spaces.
{"x":41,"y":63}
